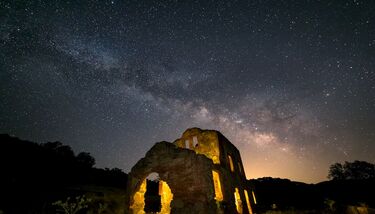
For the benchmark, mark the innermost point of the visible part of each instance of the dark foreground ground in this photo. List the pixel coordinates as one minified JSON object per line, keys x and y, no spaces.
{"x":342,"y":196}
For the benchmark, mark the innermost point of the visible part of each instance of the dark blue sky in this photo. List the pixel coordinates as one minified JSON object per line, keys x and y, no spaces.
{"x":290,"y":83}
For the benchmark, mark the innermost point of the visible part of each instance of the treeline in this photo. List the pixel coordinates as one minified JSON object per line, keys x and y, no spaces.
{"x":357,"y":170}
{"x":335,"y":196}
{"x":34,"y":175}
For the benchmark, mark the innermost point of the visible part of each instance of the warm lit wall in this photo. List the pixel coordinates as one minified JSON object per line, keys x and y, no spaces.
{"x":230,"y":156}
{"x":199,"y":182}
{"x":230,"y":160}
{"x":248,"y":202}
{"x":208,"y":144}
{"x":238,"y":201}
{"x":254,"y":198}
{"x":217,"y":186}
{"x":166,"y":197}
{"x":165,"y":193}
{"x":218,"y":148}
{"x":138,"y":205}
{"x":188,"y":175}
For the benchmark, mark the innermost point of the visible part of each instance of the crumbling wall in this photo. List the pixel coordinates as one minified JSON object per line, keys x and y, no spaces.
{"x":203,"y":170}
{"x":203,"y":142}
{"x":188,"y":175}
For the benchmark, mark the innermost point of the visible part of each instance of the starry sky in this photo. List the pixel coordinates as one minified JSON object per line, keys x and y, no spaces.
{"x":290,"y":83}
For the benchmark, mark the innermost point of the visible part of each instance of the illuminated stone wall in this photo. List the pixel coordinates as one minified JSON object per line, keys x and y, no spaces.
{"x":202,"y":142}
{"x":201,"y":172}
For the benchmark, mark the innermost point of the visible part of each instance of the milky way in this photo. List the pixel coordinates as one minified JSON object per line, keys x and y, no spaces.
{"x":290,"y":83}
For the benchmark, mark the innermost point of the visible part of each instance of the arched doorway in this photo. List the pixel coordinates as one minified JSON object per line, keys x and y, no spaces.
{"x":153,"y":196}
{"x":188,"y":177}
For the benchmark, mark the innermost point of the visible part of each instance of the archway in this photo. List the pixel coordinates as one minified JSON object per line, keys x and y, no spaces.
{"x":153,"y":196}
{"x":188,"y":177}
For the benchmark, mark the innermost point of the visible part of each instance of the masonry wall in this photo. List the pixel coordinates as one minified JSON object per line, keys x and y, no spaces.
{"x":228,"y":164}
{"x":203,"y":170}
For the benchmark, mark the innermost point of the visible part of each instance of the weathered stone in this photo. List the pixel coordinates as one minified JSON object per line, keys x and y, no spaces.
{"x":202,"y":171}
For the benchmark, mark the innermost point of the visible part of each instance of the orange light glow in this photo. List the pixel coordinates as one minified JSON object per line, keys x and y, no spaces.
{"x":138,"y":204}
{"x":248,"y":202}
{"x":231,"y":163}
{"x":217,"y":186}
{"x":166,"y":197}
{"x":238,"y":201}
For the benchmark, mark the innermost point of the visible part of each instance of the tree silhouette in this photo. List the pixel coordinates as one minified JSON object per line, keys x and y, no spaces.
{"x":84,"y":159}
{"x":60,"y":149}
{"x":336,"y":172}
{"x":352,"y":170}
{"x":46,"y":172}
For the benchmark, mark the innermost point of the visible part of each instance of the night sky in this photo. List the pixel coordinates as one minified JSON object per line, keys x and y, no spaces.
{"x":290,"y":83}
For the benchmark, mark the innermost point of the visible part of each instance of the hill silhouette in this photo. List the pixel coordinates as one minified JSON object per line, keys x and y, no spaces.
{"x":331,"y":196}
{"x":35,"y":175}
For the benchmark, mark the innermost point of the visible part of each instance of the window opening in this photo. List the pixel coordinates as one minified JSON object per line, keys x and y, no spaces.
{"x":217,"y":186}
{"x":230,"y":163}
{"x":248,"y":202}
{"x":237,"y":200}
{"x":239,"y":167}
{"x":195,"y":141}
{"x":255,"y":200}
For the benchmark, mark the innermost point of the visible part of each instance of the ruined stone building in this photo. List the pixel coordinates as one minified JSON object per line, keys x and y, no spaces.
{"x":201,"y":172}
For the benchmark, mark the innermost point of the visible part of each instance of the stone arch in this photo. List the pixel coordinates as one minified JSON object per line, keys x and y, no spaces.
{"x":188,"y":175}
{"x":140,"y":203}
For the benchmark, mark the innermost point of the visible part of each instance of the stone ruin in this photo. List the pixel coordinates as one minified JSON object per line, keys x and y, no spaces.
{"x":201,"y":172}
